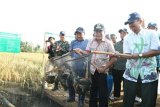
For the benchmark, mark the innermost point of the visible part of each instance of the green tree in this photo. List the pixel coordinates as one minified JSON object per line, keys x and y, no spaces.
{"x":26,"y":47}
{"x":37,"y":48}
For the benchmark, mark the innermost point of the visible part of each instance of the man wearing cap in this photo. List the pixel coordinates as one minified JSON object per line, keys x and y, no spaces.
{"x":153,"y":26}
{"x":100,"y":64}
{"x":142,"y":46}
{"x":79,"y":66}
{"x":51,"y":49}
{"x":113,"y":38}
{"x":119,"y":66}
{"x":62,"y":47}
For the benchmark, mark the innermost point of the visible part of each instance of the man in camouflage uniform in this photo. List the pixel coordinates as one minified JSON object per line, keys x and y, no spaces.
{"x":51,"y":49}
{"x":62,"y":48}
{"x":62,"y":45}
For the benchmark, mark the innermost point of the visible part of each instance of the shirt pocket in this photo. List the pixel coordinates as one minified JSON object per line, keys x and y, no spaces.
{"x":146,"y":46}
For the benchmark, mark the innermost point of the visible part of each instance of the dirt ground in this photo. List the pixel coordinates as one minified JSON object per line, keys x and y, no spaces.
{"x":48,"y":103}
{"x":22,"y":99}
{"x":45,"y":102}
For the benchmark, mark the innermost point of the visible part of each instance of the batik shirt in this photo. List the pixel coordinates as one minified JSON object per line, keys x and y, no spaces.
{"x":158,"y":56}
{"x":100,"y":59}
{"x":142,"y":42}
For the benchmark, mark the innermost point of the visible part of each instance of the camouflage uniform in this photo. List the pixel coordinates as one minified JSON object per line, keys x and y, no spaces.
{"x":64,"y":47}
{"x":52,"y":50}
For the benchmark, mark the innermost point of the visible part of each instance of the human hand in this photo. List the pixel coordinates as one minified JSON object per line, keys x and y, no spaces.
{"x":101,"y":69}
{"x":117,"y":54}
{"x":78,"y":51}
{"x":135,"y":56}
{"x":58,"y":48}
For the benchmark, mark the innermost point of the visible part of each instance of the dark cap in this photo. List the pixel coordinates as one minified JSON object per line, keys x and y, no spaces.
{"x":80,"y":30}
{"x":152,"y":24}
{"x":132,"y":18}
{"x":99,"y":26}
{"x":123,"y":30}
{"x":50,"y":39}
{"x":62,"y":33}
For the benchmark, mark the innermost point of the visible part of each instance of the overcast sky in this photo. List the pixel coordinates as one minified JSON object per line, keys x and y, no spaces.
{"x":31,"y":18}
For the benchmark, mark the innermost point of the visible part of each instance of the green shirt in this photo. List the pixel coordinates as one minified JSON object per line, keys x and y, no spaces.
{"x":120,"y":64}
{"x":52,"y":50}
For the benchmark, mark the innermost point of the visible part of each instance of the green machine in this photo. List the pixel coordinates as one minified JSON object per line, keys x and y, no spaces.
{"x":10,"y":42}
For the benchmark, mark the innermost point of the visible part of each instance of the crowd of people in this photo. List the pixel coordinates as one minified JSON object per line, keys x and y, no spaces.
{"x":134,"y":60}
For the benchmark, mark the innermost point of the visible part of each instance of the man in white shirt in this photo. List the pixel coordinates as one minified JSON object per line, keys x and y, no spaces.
{"x":143,"y":46}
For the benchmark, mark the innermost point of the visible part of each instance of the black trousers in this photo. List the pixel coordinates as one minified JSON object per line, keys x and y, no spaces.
{"x":117,"y":79}
{"x":98,"y":90}
{"x":148,"y":93}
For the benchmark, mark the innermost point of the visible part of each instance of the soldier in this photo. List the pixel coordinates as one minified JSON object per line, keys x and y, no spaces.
{"x":62,"y":45}
{"x":61,"y":49}
{"x":51,"y":49}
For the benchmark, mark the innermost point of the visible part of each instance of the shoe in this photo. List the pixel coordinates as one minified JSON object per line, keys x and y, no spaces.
{"x":80,"y":104}
{"x":138,"y":103}
{"x":117,"y":98}
{"x":138,"y":99}
{"x":70,"y":100}
{"x":112,"y":98}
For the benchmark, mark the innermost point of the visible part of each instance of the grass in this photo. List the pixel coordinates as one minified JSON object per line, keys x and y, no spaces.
{"x":27,"y":69}
{"x":23,"y":68}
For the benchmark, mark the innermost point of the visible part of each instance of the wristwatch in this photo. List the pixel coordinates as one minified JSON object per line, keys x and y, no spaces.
{"x":140,"y":55}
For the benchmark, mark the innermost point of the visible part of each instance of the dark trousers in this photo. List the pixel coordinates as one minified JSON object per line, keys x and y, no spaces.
{"x":138,"y":93}
{"x":158,"y":69}
{"x":148,"y":93}
{"x":57,"y":79}
{"x":71,"y":89}
{"x":98,"y":90}
{"x":117,"y":79}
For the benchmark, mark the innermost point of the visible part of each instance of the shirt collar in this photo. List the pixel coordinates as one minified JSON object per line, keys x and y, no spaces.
{"x":103,"y":39}
{"x":140,"y":32}
{"x":79,"y":40}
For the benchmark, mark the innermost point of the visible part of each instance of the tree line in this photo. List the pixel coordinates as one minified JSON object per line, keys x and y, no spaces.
{"x":29,"y":47}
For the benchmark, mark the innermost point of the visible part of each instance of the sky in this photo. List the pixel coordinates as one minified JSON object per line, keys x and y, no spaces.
{"x":32,"y":18}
